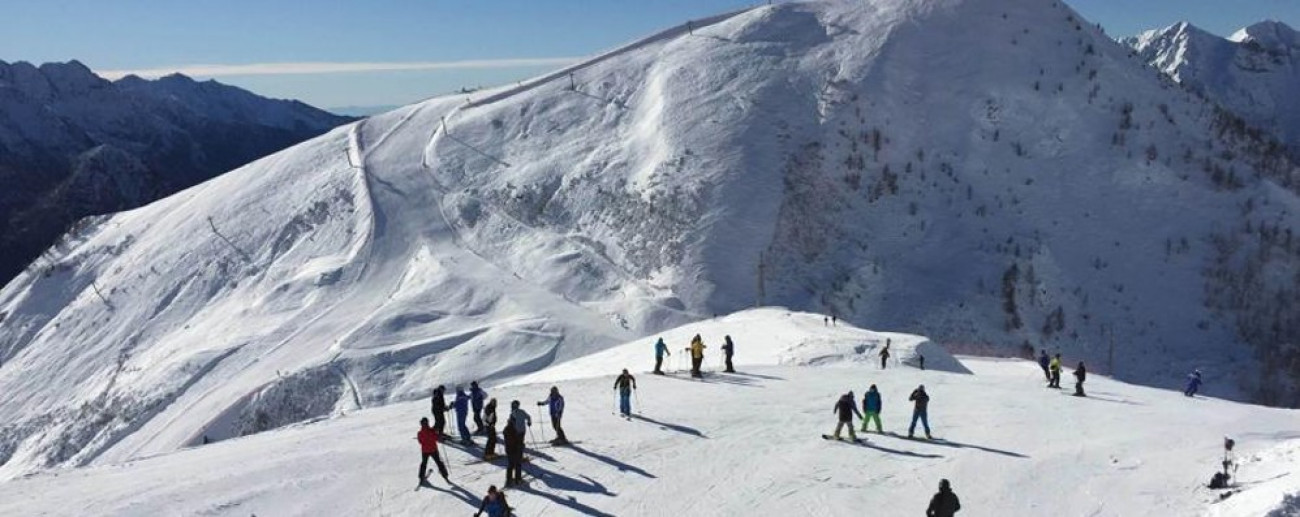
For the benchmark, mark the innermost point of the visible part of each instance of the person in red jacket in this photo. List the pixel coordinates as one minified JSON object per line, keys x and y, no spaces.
{"x":428,"y":439}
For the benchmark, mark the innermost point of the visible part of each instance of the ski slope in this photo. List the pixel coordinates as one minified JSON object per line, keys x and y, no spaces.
{"x":738,"y":444}
{"x":967,"y":170}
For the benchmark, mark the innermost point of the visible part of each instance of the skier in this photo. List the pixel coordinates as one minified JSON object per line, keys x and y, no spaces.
{"x":490,"y":426}
{"x":697,"y":355}
{"x":625,"y":383}
{"x":871,"y":404}
{"x":1193,"y":383}
{"x":922,"y":358}
{"x":439,"y":408}
{"x":428,"y":438}
{"x":884,"y":354}
{"x":944,"y":503}
{"x":515,"y":430}
{"x":1055,"y":379}
{"x":1043,"y":362}
{"x":555,"y":403}
{"x":462,"y":414}
{"x":920,"y":411}
{"x":729,"y":349}
{"x":661,"y":350}
{"x":1080,"y":374}
{"x":494,"y":503}
{"x":476,"y":398}
{"x":846,"y":408}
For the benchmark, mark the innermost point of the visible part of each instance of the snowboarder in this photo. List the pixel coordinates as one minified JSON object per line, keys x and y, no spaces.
{"x":494,"y":503}
{"x":1193,"y":383}
{"x":697,"y":355}
{"x":428,"y":438}
{"x":1080,"y":374}
{"x":944,"y":503}
{"x":1055,"y":379}
{"x":439,"y":408}
{"x":490,"y":428}
{"x":476,"y":398}
{"x":516,"y":428}
{"x":871,"y":404}
{"x":625,"y":383}
{"x":1043,"y":362}
{"x":555,"y":403}
{"x":729,"y":348}
{"x":462,"y":414}
{"x":920,"y":411}
{"x":661,"y":350}
{"x":884,"y":354}
{"x":846,"y":409}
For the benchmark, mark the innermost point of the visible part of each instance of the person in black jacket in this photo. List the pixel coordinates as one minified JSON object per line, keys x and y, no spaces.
{"x":1080,"y":374}
{"x":846,"y":408}
{"x":920,"y":410}
{"x":439,"y":408}
{"x":729,"y":349}
{"x":944,"y":503}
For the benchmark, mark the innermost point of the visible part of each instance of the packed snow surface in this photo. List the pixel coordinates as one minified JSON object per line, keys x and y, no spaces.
{"x":739,"y":444}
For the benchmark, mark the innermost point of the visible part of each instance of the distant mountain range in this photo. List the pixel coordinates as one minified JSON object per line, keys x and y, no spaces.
{"x":73,"y":144}
{"x":1255,"y":73}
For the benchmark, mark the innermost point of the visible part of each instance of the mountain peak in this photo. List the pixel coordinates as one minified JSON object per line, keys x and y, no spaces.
{"x":1270,"y":34}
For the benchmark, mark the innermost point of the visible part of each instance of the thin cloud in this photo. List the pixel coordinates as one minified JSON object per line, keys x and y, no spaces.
{"x":331,"y":68}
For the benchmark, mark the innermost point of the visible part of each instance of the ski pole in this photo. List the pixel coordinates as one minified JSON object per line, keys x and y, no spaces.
{"x":638,"y":398}
{"x":532,"y":436}
{"x":543,"y":430}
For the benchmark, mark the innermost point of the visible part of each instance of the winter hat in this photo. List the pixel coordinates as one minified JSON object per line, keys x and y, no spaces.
{"x":944,"y":485}
{"x":424,"y":422}
{"x":514,"y":404}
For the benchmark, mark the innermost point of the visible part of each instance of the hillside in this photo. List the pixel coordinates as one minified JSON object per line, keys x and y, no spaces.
{"x":996,"y":176}
{"x":738,"y":444}
{"x":73,"y":145}
{"x":1255,"y":73}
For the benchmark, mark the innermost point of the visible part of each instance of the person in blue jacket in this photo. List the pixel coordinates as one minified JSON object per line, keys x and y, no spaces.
{"x":476,"y":398}
{"x":494,"y":504}
{"x":461,"y":404}
{"x":555,"y":403}
{"x":1044,"y":362}
{"x":871,"y":404}
{"x":661,"y":350}
{"x":1193,"y":383}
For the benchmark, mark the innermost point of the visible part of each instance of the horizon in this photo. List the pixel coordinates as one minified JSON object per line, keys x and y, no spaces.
{"x":354,"y":59}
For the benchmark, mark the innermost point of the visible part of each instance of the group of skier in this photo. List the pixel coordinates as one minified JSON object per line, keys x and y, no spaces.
{"x":1052,"y":370}
{"x":846,"y":408}
{"x":696,"y":349}
{"x":476,"y":406}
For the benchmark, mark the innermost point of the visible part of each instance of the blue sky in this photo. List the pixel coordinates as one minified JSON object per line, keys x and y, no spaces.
{"x":424,"y":36}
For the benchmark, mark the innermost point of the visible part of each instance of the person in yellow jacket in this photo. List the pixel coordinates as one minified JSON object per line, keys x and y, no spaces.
{"x":1055,"y":368}
{"x":697,"y":355}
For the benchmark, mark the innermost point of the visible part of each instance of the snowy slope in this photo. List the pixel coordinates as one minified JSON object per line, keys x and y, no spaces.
{"x":737,"y":444}
{"x":992,"y":175}
{"x":1255,"y":73}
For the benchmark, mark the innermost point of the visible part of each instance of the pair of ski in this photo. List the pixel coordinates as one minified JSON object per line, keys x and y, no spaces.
{"x":861,"y":441}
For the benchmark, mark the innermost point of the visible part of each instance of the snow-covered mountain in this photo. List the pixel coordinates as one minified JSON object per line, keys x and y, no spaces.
{"x":996,"y":175}
{"x":1255,"y":73}
{"x":741,"y":444}
{"x":73,"y":144}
